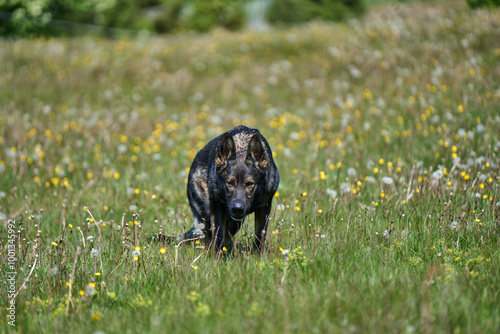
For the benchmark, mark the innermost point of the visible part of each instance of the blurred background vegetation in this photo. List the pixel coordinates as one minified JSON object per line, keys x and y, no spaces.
{"x":23,"y":18}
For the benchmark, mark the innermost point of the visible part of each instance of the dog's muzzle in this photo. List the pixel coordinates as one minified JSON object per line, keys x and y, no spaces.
{"x":237,"y":211}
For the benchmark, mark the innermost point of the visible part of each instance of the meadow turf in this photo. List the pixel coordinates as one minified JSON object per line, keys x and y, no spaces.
{"x":386,"y":133}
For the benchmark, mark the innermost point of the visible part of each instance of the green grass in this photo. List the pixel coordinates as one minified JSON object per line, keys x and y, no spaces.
{"x":386,"y":134}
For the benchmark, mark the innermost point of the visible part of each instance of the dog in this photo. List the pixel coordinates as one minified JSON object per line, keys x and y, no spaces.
{"x":233,"y":176}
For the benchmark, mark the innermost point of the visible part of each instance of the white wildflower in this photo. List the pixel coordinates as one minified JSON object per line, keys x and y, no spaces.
{"x":355,"y":72}
{"x":89,"y":291}
{"x":387,"y":180}
{"x":136,"y":253}
{"x":122,"y":148}
{"x":371,"y":179}
{"x":54,"y":271}
{"x":437,"y":175}
{"x":330,"y":192}
{"x":345,"y":187}
{"x":94,"y":252}
{"x":351,"y":172}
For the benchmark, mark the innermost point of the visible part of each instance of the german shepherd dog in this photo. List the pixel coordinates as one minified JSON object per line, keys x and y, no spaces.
{"x":232,"y":176}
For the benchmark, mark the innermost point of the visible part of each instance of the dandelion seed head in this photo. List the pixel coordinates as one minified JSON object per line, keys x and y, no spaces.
{"x":345,"y":188}
{"x":370,"y":179}
{"x":387,"y":180}
{"x":90,"y":290}
{"x":54,"y":271}
{"x":136,"y":253}
{"x":351,"y":172}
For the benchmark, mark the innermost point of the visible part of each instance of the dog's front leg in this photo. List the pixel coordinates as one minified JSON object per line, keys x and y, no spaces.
{"x":231,"y":227}
{"x":217,"y":228}
{"x":261,"y":219}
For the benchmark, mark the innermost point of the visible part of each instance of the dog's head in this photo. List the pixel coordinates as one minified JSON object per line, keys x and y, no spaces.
{"x":242,"y":175}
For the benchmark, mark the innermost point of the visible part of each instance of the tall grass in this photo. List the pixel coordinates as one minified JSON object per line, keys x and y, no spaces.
{"x":386,"y":134}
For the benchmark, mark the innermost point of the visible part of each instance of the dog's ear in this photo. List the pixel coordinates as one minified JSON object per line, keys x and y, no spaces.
{"x":227,"y":150}
{"x":256,"y":151}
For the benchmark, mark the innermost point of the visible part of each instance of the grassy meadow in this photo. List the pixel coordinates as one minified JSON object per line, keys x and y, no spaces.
{"x":386,"y":132}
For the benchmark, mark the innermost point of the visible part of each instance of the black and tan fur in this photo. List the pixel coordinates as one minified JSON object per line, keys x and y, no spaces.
{"x":233,"y":176}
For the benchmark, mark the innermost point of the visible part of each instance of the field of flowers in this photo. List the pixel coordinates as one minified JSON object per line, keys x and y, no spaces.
{"x":386,"y":132}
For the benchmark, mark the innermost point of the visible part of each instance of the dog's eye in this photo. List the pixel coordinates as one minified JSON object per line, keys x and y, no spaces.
{"x":249,"y":185}
{"x":231,"y":184}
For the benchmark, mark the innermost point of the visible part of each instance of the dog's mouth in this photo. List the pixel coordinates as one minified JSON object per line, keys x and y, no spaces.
{"x":237,"y":217}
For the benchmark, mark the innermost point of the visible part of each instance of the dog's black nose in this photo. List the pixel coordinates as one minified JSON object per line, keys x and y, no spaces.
{"x":237,"y":209}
